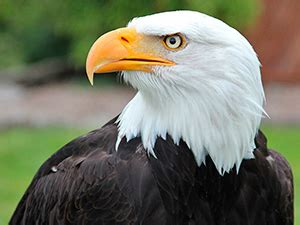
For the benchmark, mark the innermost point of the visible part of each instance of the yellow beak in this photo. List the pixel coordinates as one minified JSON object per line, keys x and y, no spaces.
{"x":121,"y":49}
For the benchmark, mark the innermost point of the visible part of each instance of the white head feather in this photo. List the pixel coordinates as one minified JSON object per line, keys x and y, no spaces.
{"x":212,"y":98}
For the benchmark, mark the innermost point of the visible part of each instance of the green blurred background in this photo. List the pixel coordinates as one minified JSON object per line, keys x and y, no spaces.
{"x":33,"y":30}
{"x":45,"y":100}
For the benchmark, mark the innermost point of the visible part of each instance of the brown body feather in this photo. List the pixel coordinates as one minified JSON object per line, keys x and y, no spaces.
{"x":88,"y":182}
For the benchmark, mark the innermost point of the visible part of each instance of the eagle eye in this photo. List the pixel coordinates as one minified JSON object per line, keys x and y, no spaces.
{"x":173,"y":42}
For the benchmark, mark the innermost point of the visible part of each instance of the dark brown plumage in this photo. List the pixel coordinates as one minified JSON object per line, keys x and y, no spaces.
{"x":88,"y":182}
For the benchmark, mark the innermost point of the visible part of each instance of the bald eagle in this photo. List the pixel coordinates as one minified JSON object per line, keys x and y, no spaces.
{"x":186,"y":150}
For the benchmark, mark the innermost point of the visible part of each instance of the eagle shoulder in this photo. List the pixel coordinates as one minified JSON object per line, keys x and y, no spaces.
{"x":88,"y":182}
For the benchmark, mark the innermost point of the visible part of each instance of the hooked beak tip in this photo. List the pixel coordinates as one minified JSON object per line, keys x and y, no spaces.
{"x":91,"y":78}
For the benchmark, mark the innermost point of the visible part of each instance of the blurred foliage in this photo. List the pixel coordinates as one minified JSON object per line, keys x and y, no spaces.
{"x":32,"y":30}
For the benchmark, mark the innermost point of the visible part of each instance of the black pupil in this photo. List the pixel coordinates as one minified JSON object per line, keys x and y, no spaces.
{"x":172,"y":40}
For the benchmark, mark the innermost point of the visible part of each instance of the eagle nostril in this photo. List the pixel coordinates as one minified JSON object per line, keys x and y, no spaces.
{"x":124,"y":39}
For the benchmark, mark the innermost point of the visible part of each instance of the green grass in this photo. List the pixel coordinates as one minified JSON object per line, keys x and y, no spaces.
{"x":22,"y":150}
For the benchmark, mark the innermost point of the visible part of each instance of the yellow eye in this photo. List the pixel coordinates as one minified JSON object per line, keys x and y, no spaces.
{"x":173,"y":42}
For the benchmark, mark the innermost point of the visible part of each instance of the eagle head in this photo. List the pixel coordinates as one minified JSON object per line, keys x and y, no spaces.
{"x":198,"y":80}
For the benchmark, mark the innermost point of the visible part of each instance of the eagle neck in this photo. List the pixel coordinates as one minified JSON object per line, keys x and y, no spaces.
{"x":207,"y":129}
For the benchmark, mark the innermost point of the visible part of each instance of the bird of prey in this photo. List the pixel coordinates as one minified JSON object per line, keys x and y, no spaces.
{"x":186,"y":150}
